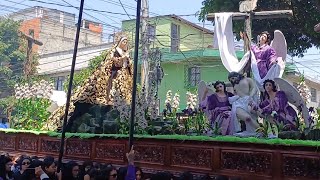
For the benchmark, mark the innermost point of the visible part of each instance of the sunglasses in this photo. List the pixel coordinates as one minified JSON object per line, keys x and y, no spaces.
{"x":26,"y":163}
{"x":113,"y":175}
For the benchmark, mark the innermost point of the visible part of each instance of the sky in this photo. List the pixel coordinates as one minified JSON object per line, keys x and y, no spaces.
{"x":112,"y":21}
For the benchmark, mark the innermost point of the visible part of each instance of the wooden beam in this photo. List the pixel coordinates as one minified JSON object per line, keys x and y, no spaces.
{"x":29,"y":38}
{"x":317,"y":28}
{"x":257,"y":15}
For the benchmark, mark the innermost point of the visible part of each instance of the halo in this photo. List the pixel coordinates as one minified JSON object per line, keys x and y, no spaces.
{"x":119,"y":35}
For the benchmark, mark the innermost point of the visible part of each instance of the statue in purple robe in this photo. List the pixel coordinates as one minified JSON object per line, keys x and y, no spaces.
{"x":275,"y":105}
{"x":265,"y":54}
{"x":268,"y":57}
{"x":218,"y":108}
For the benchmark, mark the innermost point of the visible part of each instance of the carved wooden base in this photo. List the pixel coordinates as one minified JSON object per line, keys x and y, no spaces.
{"x":250,"y":161}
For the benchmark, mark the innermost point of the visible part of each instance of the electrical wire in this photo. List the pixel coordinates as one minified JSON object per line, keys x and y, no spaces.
{"x":124,"y":9}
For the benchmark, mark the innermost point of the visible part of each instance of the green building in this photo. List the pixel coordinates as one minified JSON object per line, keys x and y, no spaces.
{"x":187,"y":54}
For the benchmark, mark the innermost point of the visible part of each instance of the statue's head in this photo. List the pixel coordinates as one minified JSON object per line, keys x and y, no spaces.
{"x":235,"y":77}
{"x":269,"y":86}
{"x":264,"y":38}
{"x":123,"y":43}
{"x":220,"y":86}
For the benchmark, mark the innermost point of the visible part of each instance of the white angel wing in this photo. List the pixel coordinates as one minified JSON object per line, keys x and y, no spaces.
{"x":279,"y":44}
{"x":201,"y":89}
{"x":293,"y":97}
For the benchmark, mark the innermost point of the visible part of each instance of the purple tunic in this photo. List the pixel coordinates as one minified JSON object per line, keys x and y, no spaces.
{"x":285,"y":113}
{"x":219,"y":111}
{"x":265,"y":55}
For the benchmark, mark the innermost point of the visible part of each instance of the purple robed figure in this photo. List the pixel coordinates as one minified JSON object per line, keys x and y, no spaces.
{"x":266,"y":57}
{"x":277,"y":101}
{"x":265,"y":54}
{"x":218,"y":108}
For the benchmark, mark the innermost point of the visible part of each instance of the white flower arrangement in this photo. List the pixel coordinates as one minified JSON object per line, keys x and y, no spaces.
{"x":42,"y":89}
{"x":304,"y":91}
{"x":176,"y":101}
{"x":168,"y":97}
{"x":191,"y":100}
{"x":125,"y":109}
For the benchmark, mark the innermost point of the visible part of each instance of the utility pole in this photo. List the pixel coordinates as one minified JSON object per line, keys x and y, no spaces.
{"x":145,"y":45}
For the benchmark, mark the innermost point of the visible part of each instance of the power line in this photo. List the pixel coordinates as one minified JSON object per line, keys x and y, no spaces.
{"x":53,"y":22}
{"x":124,"y":9}
{"x":88,"y":9}
{"x":90,"y":15}
{"x":102,"y":22}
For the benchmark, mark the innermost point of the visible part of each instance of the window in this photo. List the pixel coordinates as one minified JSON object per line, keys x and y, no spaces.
{"x":175,"y":38}
{"x":31,"y":32}
{"x":194,"y":76}
{"x":151,"y":33}
{"x":58,"y":83}
{"x":313,"y":94}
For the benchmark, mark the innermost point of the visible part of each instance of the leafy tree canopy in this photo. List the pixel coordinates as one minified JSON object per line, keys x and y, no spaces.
{"x":298,"y":30}
{"x":12,"y":55}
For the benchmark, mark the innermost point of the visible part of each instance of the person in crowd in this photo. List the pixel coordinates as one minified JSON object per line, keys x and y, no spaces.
{"x":71,"y":171}
{"x":23,"y":173}
{"x":5,"y":168}
{"x":139,"y":174}
{"x":49,"y":166}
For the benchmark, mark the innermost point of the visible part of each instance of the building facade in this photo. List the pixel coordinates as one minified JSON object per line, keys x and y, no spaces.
{"x":313,"y":84}
{"x":187,"y":54}
{"x":56,"y":29}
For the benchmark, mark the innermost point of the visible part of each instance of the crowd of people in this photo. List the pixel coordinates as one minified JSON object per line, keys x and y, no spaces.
{"x":33,"y":168}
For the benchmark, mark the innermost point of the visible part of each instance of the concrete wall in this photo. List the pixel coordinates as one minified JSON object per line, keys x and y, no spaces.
{"x":57,"y":37}
{"x":45,"y":13}
{"x":55,"y":29}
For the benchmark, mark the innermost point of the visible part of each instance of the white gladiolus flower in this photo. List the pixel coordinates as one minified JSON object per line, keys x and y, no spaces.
{"x":304,"y":91}
{"x":191,"y":100}
{"x":168,"y":97}
{"x":176,"y":101}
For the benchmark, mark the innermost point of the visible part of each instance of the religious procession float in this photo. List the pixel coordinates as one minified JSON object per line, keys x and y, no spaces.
{"x":261,"y":129}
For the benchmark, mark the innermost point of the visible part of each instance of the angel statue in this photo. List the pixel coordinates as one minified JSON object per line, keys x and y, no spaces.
{"x":267,"y":57}
{"x":216,"y":106}
{"x":289,"y":95}
{"x":114,"y":74}
{"x":276,"y":105}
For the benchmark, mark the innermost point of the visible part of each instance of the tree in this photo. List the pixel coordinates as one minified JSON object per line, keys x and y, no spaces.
{"x":12,"y":56}
{"x":298,"y":30}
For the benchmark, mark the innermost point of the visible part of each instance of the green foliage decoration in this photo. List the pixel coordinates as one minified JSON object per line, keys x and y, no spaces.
{"x":29,"y":113}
